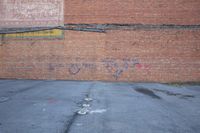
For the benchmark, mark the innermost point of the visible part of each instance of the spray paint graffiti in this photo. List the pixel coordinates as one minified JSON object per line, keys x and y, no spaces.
{"x":114,"y":67}
{"x":143,"y":67}
{"x":117,"y":67}
{"x":74,"y":69}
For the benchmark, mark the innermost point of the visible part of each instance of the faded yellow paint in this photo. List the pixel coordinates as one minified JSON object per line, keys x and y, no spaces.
{"x":55,"y":33}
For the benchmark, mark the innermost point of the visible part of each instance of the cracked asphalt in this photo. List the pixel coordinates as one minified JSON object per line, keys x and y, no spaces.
{"x":34,"y":106}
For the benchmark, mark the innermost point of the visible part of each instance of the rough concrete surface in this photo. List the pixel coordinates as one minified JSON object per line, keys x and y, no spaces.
{"x":31,"y":106}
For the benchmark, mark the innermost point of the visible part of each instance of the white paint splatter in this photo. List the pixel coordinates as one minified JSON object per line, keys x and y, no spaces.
{"x":86,"y":105}
{"x":98,"y":111}
{"x":88,"y":99}
{"x":79,"y":124}
{"x":83,"y":111}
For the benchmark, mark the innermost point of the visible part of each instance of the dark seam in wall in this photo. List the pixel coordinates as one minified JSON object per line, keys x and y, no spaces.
{"x":101,"y":28}
{"x":130,"y":26}
{"x":2,"y":39}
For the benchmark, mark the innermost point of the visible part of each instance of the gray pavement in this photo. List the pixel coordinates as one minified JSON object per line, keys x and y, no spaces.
{"x":31,"y":106}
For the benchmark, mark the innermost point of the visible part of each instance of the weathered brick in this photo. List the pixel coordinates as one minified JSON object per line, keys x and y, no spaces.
{"x":136,"y":55}
{"x":183,"y":12}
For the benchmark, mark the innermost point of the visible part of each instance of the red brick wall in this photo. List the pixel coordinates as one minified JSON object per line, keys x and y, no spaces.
{"x":164,"y":56}
{"x":133,"y":11}
{"x":169,"y":55}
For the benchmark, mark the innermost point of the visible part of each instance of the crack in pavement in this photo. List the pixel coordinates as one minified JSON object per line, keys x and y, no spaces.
{"x":28,"y":88}
{"x":4,"y":82}
{"x":70,"y":122}
{"x":73,"y":118}
{"x":13,"y":93}
{"x":169,"y":93}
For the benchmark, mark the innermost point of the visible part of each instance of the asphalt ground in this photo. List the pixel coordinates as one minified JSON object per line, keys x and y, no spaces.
{"x":34,"y":106}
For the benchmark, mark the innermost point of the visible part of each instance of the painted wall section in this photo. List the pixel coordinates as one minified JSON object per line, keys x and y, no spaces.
{"x":31,"y":13}
{"x":46,"y":34}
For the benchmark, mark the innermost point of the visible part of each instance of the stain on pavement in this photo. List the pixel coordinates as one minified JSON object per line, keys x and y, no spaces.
{"x":174,"y":94}
{"x":147,"y":92}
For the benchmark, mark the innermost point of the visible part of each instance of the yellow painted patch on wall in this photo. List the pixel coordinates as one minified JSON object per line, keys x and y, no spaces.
{"x":55,"y":33}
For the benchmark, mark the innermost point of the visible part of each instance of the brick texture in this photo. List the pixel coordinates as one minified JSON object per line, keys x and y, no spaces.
{"x":145,"y":55}
{"x":140,"y":55}
{"x":183,"y":12}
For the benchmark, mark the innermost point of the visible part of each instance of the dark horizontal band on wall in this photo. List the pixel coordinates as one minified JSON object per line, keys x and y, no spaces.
{"x":102,"y":27}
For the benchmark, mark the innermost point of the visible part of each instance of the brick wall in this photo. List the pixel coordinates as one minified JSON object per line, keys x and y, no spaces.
{"x":162,"y":55}
{"x":133,"y":11}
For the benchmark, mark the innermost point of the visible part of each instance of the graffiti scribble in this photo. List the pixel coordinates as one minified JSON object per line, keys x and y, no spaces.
{"x":117,"y":67}
{"x":74,"y":69}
